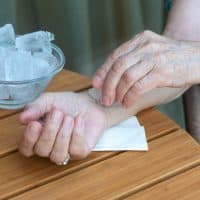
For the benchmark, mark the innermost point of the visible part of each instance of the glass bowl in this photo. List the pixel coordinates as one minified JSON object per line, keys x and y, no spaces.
{"x":16,"y":94}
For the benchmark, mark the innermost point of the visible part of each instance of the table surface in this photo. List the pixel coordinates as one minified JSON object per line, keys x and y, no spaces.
{"x":169,"y":170}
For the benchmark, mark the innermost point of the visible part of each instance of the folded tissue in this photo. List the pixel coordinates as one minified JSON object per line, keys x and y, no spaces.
{"x":127,"y":135}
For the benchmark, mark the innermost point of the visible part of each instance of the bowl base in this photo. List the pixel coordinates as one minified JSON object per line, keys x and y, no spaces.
{"x":12,"y":107}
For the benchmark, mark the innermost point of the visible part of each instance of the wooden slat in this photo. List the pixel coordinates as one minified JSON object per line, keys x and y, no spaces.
{"x":10,"y":135}
{"x":185,"y":186}
{"x":68,"y":80}
{"x":18,"y":174}
{"x":65,"y":80}
{"x":122,"y":174}
{"x":41,"y":170}
{"x":156,"y":124}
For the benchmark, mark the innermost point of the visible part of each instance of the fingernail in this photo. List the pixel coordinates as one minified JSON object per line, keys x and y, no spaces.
{"x":97,"y":81}
{"x":106,"y":100}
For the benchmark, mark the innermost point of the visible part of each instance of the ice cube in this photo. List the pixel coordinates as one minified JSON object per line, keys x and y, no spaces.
{"x":51,"y":59}
{"x":3,"y":54}
{"x":20,"y":66}
{"x":7,"y":36}
{"x":35,"y":42}
{"x":4,"y":93}
{"x":41,"y":67}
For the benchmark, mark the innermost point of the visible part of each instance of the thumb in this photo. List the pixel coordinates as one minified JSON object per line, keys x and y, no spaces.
{"x":34,"y":111}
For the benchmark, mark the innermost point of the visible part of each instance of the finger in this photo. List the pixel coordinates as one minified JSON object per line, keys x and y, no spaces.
{"x":47,"y":137}
{"x":37,"y":109}
{"x":130,"y":77}
{"x":29,"y":139}
{"x":61,"y":146}
{"x":78,"y":146}
{"x":125,"y":48}
{"x":114,"y":75}
{"x":142,"y":86}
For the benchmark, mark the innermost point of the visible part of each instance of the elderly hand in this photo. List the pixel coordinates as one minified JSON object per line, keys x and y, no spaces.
{"x":60,"y":125}
{"x":146,"y":62}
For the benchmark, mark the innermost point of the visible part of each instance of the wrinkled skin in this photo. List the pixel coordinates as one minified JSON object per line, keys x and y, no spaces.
{"x":146,"y":62}
{"x":61,"y":124}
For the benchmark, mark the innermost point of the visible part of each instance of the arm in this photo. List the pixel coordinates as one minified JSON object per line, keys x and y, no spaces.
{"x":117,"y":113}
{"x":183,"y":21}
{"x":67,"y":123}
{"x":151,"y":61}
{"x":73,"y":122}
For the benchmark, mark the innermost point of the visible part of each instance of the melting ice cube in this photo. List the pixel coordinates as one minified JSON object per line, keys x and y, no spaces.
{"x":35,"y":42}
{"x":20,"y":66}
{"x":3,"y":54}
{"x":51,"y":59}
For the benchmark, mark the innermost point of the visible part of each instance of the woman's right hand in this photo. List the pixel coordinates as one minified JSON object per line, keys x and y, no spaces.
{"x":146,"y":62}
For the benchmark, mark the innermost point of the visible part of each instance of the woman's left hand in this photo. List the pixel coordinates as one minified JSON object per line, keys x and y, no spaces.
{"x":62,"y":125}
{"x":146,"y":62}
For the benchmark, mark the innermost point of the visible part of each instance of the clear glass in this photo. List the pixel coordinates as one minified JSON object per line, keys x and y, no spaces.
{"x":20,"y":93}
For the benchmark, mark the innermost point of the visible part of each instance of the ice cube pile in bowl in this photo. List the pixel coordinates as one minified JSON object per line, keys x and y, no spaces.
{"x":27,"y":64}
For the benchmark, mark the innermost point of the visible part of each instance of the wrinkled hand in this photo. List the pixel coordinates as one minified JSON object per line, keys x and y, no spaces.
{"x":61,"y":124}
{"x":146,"y":62}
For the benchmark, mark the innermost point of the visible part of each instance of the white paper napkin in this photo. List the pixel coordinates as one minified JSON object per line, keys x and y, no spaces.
{"x":128,"y":135}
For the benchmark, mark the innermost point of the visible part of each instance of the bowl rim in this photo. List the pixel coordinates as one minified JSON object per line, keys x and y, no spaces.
{"x":59,"y":67}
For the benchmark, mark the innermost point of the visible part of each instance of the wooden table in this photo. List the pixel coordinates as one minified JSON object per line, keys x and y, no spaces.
{"x":169,"y":170}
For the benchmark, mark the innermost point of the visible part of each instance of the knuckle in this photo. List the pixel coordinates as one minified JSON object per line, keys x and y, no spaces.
{"x":151,"y":46}
{"x":127,"y":77}
{"x":117,"y":66}
{"x":147,"y":33}
{"x":113,"y":56}
{"x":138,"y":87}
{"x":154,"y":46}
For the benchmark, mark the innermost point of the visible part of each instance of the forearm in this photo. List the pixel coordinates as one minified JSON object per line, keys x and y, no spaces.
{"x":116,"y":113}
{"x":183,"y":21}
{"x":183,"y":24}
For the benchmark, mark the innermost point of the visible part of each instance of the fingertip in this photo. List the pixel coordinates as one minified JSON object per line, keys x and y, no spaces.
{"x":97,"y":82}
{"x":29,"y":138}
{"x":24,"y":117}
{"x":29,"y":114}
